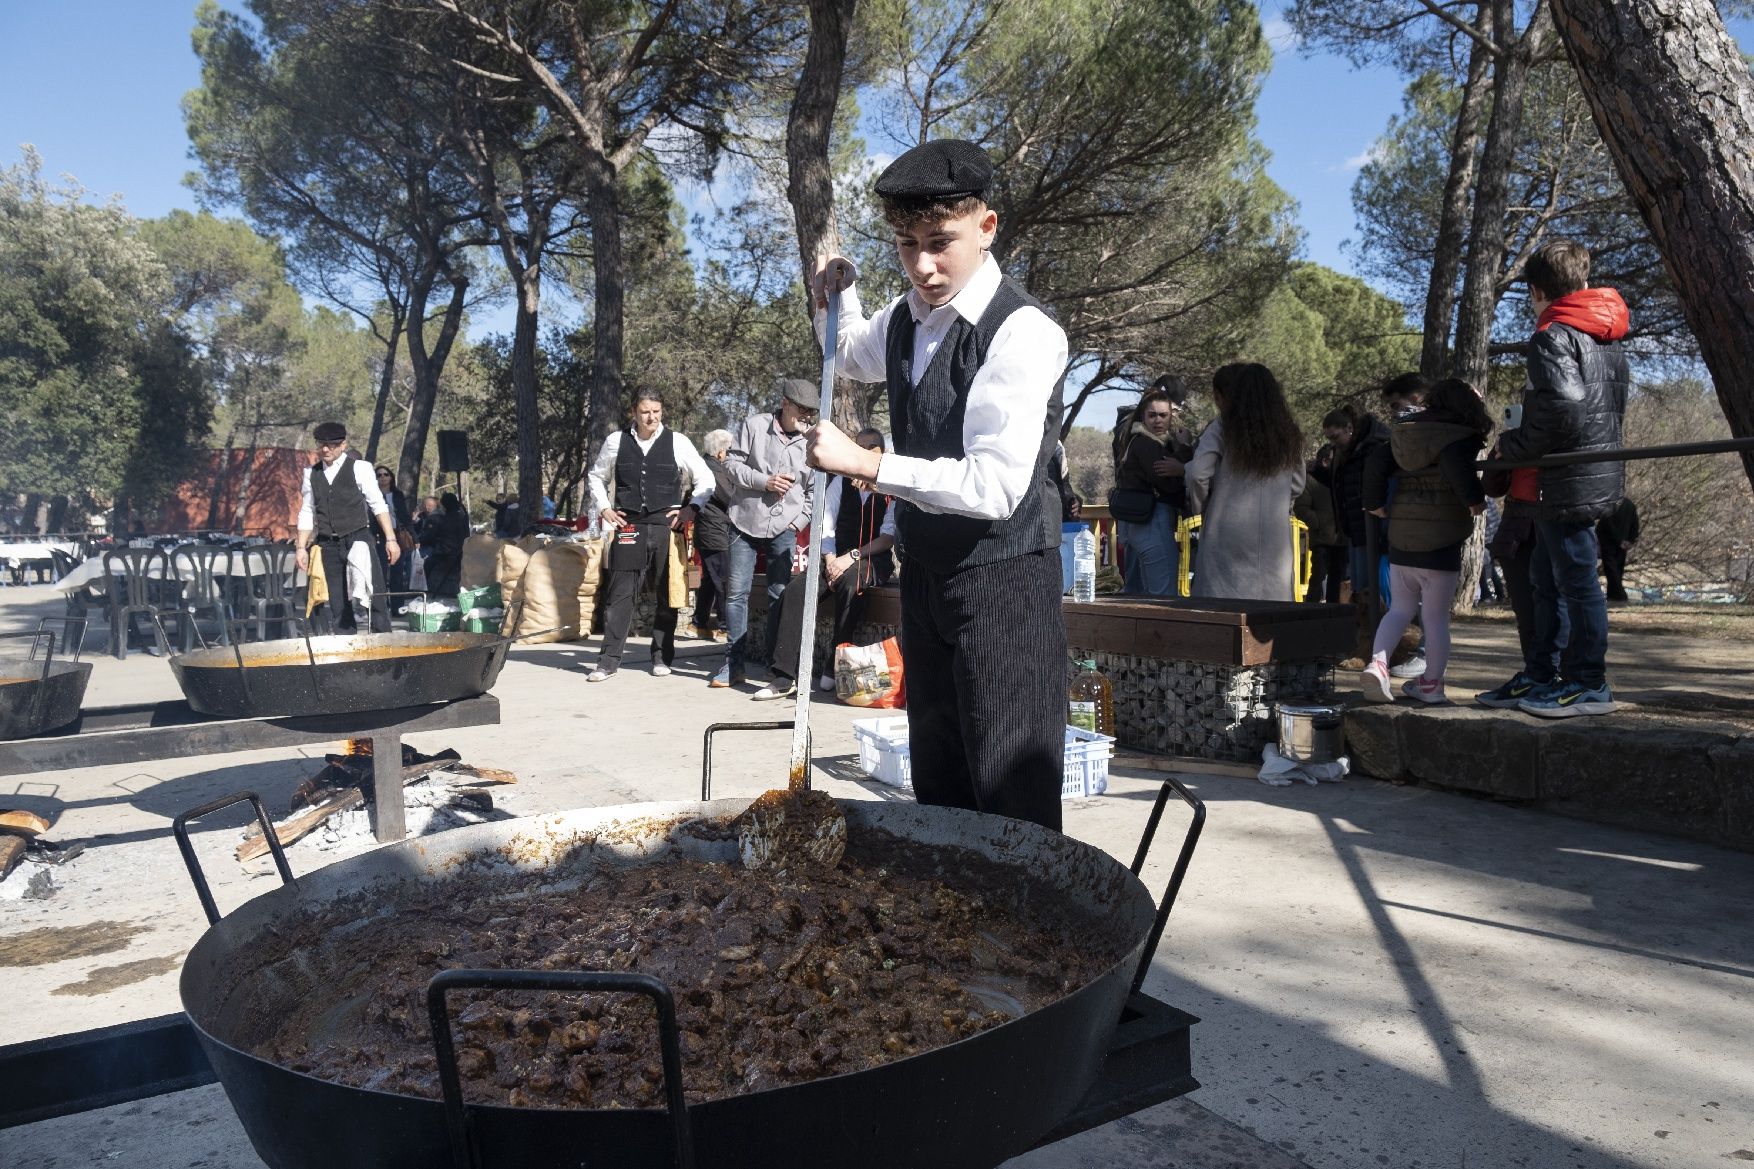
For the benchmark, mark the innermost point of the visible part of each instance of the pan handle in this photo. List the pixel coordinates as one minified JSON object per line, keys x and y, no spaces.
{"x":39,"y":637}
{"x":180,"y":826}
{"x":576,"y":981}
{"x":68,"y":638}
{"x":706,"y":749}
{"x":1192,"y":838}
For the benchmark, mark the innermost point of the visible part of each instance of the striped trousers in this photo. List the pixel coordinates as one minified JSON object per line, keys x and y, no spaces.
{"x":984,"y":653}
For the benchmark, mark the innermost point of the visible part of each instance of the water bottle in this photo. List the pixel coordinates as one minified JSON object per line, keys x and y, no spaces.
{"x":1084,"y":566}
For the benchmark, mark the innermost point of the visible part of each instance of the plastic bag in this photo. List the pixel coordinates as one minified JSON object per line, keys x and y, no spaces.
{"x":870,"y":675}
{"x":1278,"y":771}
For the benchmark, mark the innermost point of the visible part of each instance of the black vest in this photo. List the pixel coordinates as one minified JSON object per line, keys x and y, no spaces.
{"x":927,"y":420}
{"x":339,"y":506}
{"x":860,"y":524}
{"x":647,"y":483}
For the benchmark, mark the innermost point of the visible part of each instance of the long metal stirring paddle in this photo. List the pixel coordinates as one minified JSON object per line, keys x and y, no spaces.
{"x":795,"y":823}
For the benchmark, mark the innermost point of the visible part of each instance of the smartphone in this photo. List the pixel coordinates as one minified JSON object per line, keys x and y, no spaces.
{"x":1513,"y":416}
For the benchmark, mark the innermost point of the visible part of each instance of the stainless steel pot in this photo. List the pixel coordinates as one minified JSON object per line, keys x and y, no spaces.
{"x":1310,"y":733}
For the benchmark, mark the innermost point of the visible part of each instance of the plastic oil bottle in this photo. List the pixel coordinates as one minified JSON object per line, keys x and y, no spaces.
{"x":1090,"y":702}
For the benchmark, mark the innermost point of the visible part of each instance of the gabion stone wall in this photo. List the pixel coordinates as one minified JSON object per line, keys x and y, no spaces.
{"x":1204,"y":710}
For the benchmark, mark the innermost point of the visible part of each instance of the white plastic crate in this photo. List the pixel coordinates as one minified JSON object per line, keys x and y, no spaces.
{"x":883,"y":755}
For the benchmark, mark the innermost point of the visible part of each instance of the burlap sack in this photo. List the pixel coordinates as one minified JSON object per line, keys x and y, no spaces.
{"x":590,"y":585}
{"x":480,"y":561}
{"x":509,"y":568}
{"x":554,"y":583}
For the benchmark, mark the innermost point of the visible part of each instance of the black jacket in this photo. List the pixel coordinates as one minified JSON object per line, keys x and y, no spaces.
{"x":1348,"y":478}
{"x":712,"y":527}
{"x":1574,"y":401}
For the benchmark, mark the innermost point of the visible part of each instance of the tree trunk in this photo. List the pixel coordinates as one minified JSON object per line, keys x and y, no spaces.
{"x":221,"y":476}
{"x":241,"y":506}
{"x":809,"y":179}
{"x":1440,"y":295}
{"x":428,"y":365}
{"x":384,"y":383}
{"x":1674,"y":103}
{"x":1480,"y":288}
{"x":604,"y":205}
{"x":529,"y":287}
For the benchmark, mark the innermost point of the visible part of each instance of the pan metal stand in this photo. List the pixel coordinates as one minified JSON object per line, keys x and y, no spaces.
{"x":171,"y":730}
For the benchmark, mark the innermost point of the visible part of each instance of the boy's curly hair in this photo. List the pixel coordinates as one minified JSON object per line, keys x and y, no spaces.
{"x":908,"y":214}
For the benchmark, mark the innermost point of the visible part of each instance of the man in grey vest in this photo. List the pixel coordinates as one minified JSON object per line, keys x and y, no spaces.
{"x":974,"y":369}
{"x":339,"y":503}
{"x":647,"y":482}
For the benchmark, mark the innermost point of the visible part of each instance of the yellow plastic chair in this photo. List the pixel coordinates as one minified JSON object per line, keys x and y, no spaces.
{"x":1303,"y":555}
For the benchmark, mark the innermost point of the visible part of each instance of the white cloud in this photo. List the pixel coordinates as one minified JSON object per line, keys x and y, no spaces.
{"x":1279,"y":34}
{"x":1369,"y":154}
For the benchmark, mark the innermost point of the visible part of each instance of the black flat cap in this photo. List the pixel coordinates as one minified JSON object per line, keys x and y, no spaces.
{"x":946,"y":169}
{"x":801,"y":393}
{"x":330,"y":432}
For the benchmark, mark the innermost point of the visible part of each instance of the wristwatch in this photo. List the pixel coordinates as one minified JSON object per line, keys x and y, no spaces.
{"x":856,"y":555}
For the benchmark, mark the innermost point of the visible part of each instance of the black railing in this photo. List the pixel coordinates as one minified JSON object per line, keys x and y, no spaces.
{"x":1723,"y":446}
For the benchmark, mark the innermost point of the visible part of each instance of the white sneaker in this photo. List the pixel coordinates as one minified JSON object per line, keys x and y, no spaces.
{"x":1411,"y":668}
{"x":1374,"y":681}
{"x":1425,"y":690}
{"x":660,"y":670}
{"x":599,"y":675}
{"x":825,"y":683}
{"x":778,"y":688}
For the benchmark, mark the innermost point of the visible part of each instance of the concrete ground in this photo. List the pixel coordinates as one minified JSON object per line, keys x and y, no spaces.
{"x":1387,"y":976}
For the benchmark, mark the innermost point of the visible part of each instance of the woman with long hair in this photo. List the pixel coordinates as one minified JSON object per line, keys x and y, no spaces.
{"x":1431,"y":454}
{"x":397,"y":576}
{"x":1246,"y":473}
{"x":1151,"y":471}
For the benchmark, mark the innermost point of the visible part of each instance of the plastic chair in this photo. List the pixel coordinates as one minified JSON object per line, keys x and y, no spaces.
{"x":129,"y":589}
{"x":196,"y":566}
{"x":272,"y":589}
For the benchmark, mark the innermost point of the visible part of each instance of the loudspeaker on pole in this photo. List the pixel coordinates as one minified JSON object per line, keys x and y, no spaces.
{"x":453,"y":451}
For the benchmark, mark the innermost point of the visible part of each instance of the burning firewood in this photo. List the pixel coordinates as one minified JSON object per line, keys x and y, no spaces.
{"x":345,"y":783}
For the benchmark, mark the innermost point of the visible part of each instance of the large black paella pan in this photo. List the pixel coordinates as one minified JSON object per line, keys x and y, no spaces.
{"x":339,"y":673}
{"x":974,"y":1102}
{"x":42,"y":692}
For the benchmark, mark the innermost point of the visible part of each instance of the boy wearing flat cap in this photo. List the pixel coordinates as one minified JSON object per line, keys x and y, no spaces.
{"x":973,"y":367}
{"x":339,"y":502}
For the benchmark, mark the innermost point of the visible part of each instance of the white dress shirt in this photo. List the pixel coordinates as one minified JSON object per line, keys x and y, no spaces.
{"x":1002,"y":420}
{"x":364,"y":474}
{"x":693,"y":467}
{"x":831,"y":515}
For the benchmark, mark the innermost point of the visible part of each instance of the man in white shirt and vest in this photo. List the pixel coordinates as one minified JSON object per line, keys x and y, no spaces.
{"x":647,"y":482}
{"x":339,"y":502}
{"x":974,"y":368}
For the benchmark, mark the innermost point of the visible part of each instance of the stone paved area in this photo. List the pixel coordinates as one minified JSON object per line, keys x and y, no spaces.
{"x":1389,"y":976}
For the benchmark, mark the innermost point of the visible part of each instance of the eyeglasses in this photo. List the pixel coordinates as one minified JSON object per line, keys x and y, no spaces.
{"x":328,"y":446}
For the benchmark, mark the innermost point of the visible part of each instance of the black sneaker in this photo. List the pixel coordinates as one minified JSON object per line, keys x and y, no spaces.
{"x":1569,"y":700}
{"x":1510,"y":695}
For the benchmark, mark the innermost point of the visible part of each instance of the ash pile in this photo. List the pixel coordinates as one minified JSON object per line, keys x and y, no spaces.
{"x":332,"y":810}
{"x":28,"y":859}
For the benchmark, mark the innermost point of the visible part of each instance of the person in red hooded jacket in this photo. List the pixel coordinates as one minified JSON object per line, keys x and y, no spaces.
{"x":1575,"y":400}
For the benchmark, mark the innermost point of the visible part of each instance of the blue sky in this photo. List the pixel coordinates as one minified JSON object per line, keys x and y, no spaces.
{"x":95,"y":85}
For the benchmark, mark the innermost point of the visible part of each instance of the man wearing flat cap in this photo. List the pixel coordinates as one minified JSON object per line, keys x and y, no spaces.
{"x":974,"y":368}
{"x":770,"y":506}
{"x":339,"y":503}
